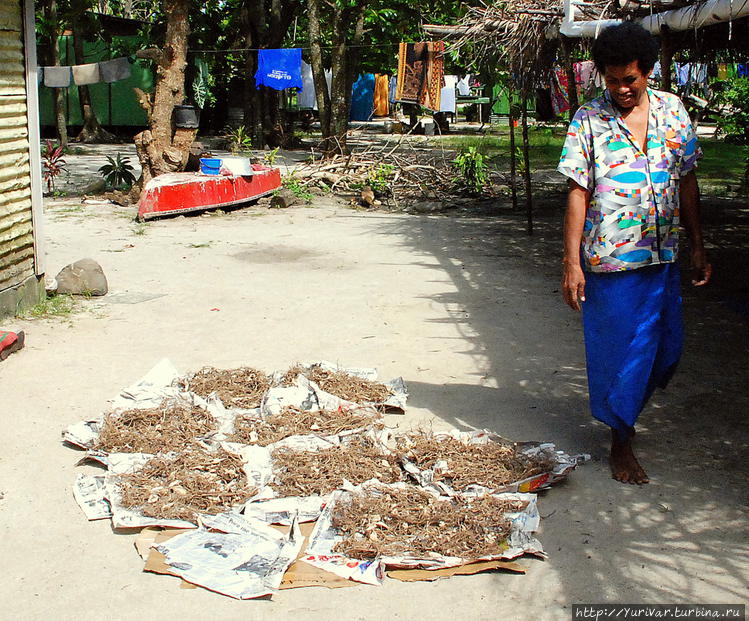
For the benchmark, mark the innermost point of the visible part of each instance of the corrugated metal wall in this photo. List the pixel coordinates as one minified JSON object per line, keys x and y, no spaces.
{"x":16,"y":236}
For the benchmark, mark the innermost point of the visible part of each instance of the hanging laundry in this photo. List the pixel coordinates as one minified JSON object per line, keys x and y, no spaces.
{"x":464,"y":86}
{"x":392,"y":88}
{"x":279,"y":69}
{"x":115,"y":70}
{"x":447,"y":97}
{"x":362,"y":98}
{"x":588,"y":75}
{"x":306,"y":97}
{"x":742,"y":70}
{"x":559,"y":101}
{"x":57,"y":77}
{"x":381,"y":105}
{"x":656,"y":72}
{"x":682,"y":74}
{"x":722,"y":71}
{"x":86,"y":74}
{"x":420,"y":73}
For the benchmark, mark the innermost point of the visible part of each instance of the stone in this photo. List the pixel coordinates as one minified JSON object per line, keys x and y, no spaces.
{"x":84,"y":277}
{"x":367,"y":196}
{"x":284,"y":198}
{"x":97,"y":186}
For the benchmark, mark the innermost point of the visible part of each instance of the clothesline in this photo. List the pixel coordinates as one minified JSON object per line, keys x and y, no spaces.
{"x":257,"y":49}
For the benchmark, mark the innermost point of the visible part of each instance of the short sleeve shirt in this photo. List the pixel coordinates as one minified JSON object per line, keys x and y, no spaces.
{"x":633,"y":217}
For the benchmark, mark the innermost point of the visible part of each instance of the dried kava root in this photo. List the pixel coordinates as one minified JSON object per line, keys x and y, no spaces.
{"x":169,"y":427}
{"x":381,"y":521}
{"x":237,"y":388}
{"x":460,"y":464}
{"x":295,"y":421}
{"x":181,"y":487}
{"x":341,"y":384}
{"x":308,"y":473}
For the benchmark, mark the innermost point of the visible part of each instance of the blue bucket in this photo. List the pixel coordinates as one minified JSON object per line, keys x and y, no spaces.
{"x":210,"y":166}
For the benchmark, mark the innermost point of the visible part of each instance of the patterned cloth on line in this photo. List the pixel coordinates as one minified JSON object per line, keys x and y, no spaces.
{"x":421,"y":73}
{"x":633,"y":340}
{"x":633,"y":216}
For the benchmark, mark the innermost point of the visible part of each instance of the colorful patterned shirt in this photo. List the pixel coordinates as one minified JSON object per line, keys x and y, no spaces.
{"x":633,"y":217}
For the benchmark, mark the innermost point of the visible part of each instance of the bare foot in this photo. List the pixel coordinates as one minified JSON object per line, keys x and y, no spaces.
{"x":624,"y":464}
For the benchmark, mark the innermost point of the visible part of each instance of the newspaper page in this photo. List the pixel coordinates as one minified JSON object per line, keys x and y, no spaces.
{"x":242,"y":565}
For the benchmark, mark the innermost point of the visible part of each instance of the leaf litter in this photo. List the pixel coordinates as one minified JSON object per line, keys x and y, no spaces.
{"x":292,"y":421}
{"x":180,"y":487}
{"x":387,"y":521}
{"x":242,"y":387}
{"x":308,"y":473}
{"x":490,"y":464}
{"x":340,"y":383}
{"x":171,"y":426}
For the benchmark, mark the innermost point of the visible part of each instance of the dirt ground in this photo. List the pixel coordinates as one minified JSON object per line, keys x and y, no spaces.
{"x":466,"y":308}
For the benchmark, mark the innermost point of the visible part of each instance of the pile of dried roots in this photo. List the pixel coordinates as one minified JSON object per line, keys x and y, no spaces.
{"x":191,"y":483}
{"x":237,"y":388}
{"x":384,"y":521}
{"x":339,"y":383}
{"x":308,"y":473}
{"x":292,"y":421}
{"x":171,"y":426}
{"x":491,"y":465}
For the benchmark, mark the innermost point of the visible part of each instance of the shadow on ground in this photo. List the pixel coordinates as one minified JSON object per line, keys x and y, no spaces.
{"x":684,"y":536}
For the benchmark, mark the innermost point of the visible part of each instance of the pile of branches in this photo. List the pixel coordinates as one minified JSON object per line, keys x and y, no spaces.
{"x":309,"y":473}
{"x":181,"y":487}
{"x":171,"y":426}
{"x":237,"y":388}
{"x":382,"y":521}
{"x":339,"y":383}
{"x":291,"y":421}
{"x":460,"y":464}
{"x":398,"y":173}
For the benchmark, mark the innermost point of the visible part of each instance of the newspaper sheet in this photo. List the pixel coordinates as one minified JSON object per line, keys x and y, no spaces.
{"x":324,"y":538}
{"x":89,"y":492}
{"x":243,"y":565}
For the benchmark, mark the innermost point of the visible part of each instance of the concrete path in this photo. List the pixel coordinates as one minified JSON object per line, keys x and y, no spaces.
{"x":466,"y":309}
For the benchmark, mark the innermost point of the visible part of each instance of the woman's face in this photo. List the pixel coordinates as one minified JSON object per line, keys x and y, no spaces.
{"x":626,"y":84}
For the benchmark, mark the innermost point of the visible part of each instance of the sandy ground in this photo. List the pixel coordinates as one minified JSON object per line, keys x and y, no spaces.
{"x":465,"y":307}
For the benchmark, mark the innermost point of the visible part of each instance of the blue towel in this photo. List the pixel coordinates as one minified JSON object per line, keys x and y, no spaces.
{"x":279,"y":69}
{"x":633,"y":339}
{"x":362,"y":98}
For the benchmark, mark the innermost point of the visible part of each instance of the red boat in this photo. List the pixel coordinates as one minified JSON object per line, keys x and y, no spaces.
{"x":180,"y":193}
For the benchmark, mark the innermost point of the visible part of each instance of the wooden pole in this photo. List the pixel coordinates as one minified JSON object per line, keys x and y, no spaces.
{"x":666,"y":58}
{"x":527,"y":167}
{"x":513,"y":152}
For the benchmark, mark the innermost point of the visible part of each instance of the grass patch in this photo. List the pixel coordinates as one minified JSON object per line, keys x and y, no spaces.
{"x":140,"y":228}
{"x":722,"y":164}
{"x":52,"y":307}
{"x":203,"y":245}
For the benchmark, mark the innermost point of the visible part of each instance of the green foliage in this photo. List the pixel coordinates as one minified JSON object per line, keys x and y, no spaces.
{"x":270,"y":156}
{"x":379,"y":179}
{"x":735,"y":95}
{"x":472,"y":166}
{"x":53,"y":163}
{"x":239,"y":139}
{"x":53,"y":306}
{"x":118,"y":171}
{"x":290,"y":182}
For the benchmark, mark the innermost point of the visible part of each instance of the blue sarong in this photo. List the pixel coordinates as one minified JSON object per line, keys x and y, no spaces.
{"x":279,"y":69}
{"x":633,"y":340}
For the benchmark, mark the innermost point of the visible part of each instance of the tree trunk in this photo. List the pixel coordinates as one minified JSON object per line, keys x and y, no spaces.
{"x":318,"y":71}
{"x":527,"y":168}
{"x":57,"y":93}
{"x":513,"y":154}
{"x":163,"y":148}
{"x":92,"y":130}
{"x":666,"y":58}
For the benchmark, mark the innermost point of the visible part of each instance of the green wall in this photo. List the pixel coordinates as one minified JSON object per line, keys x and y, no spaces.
{"x":114,"y":104}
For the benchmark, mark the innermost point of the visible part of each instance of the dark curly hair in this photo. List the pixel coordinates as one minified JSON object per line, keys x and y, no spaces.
{"x":622,"y":44}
